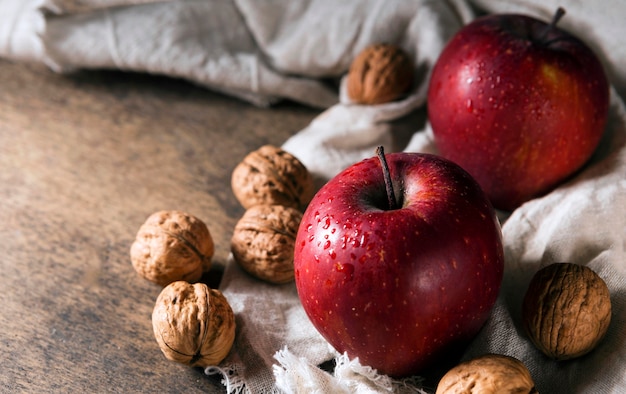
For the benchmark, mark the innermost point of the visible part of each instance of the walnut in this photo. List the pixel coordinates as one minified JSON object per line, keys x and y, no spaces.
{"x":380,"y":73}
{"x":271,"y":175}
{"x":488,"y":374}
{"x":170,"y":246}
{"x":193,"y":324}
{"x":264,"y":240}
{"x":566,"y":310}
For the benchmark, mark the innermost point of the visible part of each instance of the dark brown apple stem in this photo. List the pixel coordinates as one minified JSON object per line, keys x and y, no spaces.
{"x":555,"y":19}
{"x":391,"y":195}
{"x":557,"y":16}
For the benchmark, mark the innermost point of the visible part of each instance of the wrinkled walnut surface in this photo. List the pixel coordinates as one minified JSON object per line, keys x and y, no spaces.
{"x":566,"y":310}
{"x":271,"y":175}
{"x":488,"y":374}
{"x":379,"y":74}
{"x":171,"y":246}
{"x":263,"y":242}
{"x":193,"y":324}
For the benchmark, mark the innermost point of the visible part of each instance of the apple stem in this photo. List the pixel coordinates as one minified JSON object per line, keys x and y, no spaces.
{"x":555,"y":19}
{"x":391,"y":195}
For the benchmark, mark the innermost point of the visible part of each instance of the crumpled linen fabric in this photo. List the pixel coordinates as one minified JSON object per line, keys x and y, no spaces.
{"x":265,"y":52}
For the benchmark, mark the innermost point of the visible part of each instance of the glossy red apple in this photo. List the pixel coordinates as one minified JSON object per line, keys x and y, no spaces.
{"x":518,"y":103}
{"x":399,"y":286}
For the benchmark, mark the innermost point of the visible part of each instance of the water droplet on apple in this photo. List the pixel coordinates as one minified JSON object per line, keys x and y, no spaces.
{"x":469,"y":105}
{"x":332,"y":254}
{"x":326,"y":223}
{"x":326,"y":244}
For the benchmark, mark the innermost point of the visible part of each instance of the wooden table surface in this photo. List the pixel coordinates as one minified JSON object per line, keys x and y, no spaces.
{"x":84,"y":159}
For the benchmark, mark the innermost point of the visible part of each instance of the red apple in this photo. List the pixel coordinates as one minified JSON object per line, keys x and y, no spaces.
{"x":518,"y":103}
{"x":399,"y":281}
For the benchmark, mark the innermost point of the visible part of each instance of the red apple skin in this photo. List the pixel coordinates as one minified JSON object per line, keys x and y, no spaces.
{"x":399,"y":288}
{"x":519,"y":112}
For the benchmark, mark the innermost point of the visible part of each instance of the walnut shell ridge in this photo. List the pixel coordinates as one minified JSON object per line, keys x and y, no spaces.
{"x":272,"y":176}
{"x":488,"y":374}
{"x":379,"y":74}
{"x":263,"y":242}
{"x":566,"y":310}
{"x":193,"y":324}
{"x":171,"y":246}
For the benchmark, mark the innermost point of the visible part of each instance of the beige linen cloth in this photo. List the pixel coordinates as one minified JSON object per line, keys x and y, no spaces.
{"x":263,"y":52}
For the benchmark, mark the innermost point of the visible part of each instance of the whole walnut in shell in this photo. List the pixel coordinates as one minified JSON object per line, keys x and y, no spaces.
{"x":566,"y":310}
{"x":193,"y":324}
{"x":379,"y":74}
{"x":263,"y":242}
{"x":488,"y":374}
{"x":171,"y":246}
{"x":271,"y":175}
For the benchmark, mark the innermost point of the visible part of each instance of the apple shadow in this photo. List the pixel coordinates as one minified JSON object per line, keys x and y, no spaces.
{"x":404,"y":128}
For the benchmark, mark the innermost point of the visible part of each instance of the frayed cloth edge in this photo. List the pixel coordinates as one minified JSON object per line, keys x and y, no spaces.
{"x":231,"y":378}
{"x":297,"y":375}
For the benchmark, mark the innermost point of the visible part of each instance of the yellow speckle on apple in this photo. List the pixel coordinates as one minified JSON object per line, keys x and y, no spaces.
{"x":552,"y":74}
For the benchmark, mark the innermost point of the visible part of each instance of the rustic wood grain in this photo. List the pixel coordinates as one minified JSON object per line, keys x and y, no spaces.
{"x":84,"y":159}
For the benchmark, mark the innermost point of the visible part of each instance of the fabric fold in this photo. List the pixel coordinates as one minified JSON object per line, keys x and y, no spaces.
{"x":21,"y":24}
